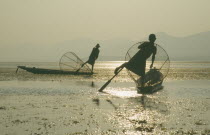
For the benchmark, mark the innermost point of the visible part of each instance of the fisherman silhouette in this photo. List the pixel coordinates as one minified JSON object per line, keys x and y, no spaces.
{"x":137,"y":63}
{"x":92,"y":58}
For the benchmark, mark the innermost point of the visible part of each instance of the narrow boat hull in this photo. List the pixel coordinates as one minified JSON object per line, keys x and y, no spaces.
{"x":51,"y":71}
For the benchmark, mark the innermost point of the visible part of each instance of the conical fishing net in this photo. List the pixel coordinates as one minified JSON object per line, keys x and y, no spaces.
{"x":160,"y":68}
{"x":71,"y":62}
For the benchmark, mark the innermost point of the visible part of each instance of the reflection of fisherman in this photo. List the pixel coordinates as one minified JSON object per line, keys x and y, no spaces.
{"x":92,"y":58}
{"x":137,"y":63}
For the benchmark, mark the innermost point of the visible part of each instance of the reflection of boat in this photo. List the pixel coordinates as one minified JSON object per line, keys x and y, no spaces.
{"x":51,"y":71}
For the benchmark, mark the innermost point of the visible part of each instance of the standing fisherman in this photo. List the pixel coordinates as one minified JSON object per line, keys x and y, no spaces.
{"x":137,"y":63}
{"x":92,"y":58}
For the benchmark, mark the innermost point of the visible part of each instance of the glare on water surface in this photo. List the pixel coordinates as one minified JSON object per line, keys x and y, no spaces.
{"x":69,"y":104}
{"x":122,"y":92}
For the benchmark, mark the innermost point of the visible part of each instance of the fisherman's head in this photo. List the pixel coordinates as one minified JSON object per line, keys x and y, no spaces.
{"x":152,"y":38}
{"x":97,"y":45}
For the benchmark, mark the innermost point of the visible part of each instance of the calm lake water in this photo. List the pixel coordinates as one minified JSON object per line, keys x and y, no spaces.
{"x":103,"y":70}
{"x":69,"y":104}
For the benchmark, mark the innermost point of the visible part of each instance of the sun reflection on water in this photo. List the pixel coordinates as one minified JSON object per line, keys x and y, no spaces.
{"x":123,"y":92}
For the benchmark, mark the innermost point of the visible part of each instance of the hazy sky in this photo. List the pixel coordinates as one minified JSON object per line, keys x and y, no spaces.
{"x":48,"y":22}
{"x":53,"y":21}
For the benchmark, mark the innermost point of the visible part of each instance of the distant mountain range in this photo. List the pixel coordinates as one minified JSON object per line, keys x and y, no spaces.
{"x":191,"y":48}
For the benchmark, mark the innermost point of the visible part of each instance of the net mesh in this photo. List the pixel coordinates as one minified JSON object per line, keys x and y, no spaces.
{"x":71,"y":62}
{"x":160,"y":68}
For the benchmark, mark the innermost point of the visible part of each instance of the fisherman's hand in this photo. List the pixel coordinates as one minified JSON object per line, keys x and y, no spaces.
{"x":116,"y":70}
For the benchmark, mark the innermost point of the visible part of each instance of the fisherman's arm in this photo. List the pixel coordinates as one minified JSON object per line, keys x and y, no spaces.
{"x":96,"y":56}
{"x":142,"y":45}
{"x":153,"y":57}
{"x":120,"y":67}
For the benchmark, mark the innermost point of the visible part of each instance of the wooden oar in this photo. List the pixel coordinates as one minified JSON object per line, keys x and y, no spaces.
{"x":107,"y":83}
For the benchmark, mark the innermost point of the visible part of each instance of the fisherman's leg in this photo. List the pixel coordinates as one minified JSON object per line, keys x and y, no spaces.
{"x":120,"y":67}
{"x":142,"y":80}
{"x":143,"y":75}
{"x":92,"y":68}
